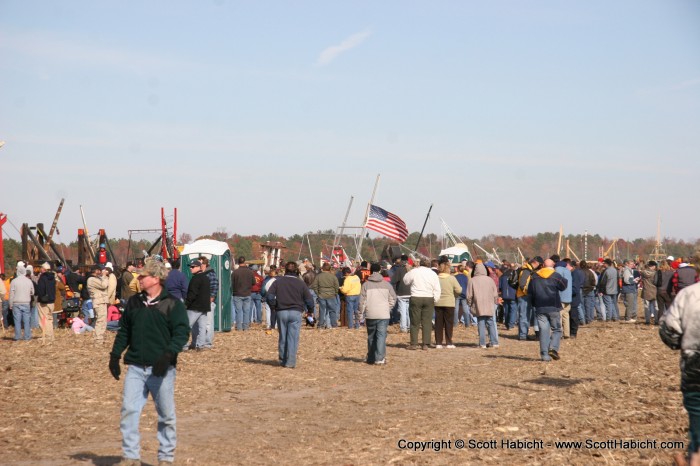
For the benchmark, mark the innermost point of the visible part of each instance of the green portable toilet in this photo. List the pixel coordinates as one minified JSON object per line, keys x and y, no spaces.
{"x":219,"y":257}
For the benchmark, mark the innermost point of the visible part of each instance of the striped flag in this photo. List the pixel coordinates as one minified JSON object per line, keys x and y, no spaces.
{"x":386,"y":223}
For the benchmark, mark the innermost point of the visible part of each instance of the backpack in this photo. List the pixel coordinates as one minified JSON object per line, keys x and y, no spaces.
{"x":514,"y":278}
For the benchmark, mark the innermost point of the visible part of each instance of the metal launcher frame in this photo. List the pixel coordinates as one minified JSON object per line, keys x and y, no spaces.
{"x":167,"y":239}
{"x":86,"y":254}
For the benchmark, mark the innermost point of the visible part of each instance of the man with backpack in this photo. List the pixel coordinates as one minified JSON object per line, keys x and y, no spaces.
{"x":526,"y":313}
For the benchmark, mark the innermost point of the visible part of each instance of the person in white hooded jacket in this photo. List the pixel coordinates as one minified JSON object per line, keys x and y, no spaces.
{"x":377,"y":298}
{"x":680,"y":330}
{"x":21,"y":293}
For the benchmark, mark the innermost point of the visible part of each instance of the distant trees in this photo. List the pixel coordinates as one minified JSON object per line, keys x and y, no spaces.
{"x":313,"y":245}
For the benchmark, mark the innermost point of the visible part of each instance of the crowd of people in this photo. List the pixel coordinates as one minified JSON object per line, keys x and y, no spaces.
{"x":543,"y":300}
{"x":155,"y":308}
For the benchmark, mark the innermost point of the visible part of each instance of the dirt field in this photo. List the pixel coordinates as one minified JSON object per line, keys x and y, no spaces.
{"x":236,"y":406}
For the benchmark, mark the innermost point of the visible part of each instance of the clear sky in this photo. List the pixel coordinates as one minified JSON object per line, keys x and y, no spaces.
{"x":511,"y":116}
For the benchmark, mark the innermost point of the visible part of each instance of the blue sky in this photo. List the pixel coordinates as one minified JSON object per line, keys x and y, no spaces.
{"x":511,"y":117}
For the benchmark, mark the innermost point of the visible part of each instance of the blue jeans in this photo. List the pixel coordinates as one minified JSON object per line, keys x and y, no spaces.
{"x":289,"y":322}
{"x":630,"y":300}
{"x":404,"y":318}
{"x":549,"y":321}
{"x":589,"y":300}
{"x":376,"y":339}
{"x":209,"y":338}
{"x":485,"y":322}
{"x":611,"y":310}
{"x":88,"y":311}
{"x":328,"y":312}
{"x":5,"y":311}
{"x":256,"y":307}
{"x":649,"y":310}
{"x":22,"y":316}
{"x":468,"y":318}
{"x":510,"y":312}
{"x":352,"y":307}
{"x":691,"y":402}
{"x":139,"y":382}
{"x":600,"y":308}
{"x":525,"y":317}
{"x":243,"y":306}
{"x":34,"y":319}
{"x":314,"y":298}
{"x":580,"y":313}
{"x":269,"y":316}
{"x":198,"y":324}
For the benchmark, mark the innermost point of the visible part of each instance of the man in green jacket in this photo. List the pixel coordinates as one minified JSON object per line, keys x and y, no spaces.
{"x":325,"y":285}
{"x":153,"y":329}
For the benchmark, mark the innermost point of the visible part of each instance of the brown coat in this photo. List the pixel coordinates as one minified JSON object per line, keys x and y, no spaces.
{"x":648,"y":285}
{"x":60,"y":291}
{"x":482,"y":294}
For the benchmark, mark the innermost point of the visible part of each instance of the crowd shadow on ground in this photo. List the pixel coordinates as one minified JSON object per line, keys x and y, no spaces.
{"x":264,"y":362}
{"x":510,"y":356}
{"x":98,"y":460}
{"x":349,"y":359}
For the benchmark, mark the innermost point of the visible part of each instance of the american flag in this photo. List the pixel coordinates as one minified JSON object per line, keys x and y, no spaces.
{"x":386,"y":223}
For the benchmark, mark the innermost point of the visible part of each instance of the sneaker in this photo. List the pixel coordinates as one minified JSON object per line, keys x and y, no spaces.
{"x":482,"y":346}
{"x":380,"y":363}
{"x":438,"y":346}
{"x":554,"y":355}
{"x":495,"y":346}
{"x":451,"y":346}
{"x":412,"y":347}
{"x":424,"y":347}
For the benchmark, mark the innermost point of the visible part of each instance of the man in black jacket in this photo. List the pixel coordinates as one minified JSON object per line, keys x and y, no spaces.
{"x":198,"y":305}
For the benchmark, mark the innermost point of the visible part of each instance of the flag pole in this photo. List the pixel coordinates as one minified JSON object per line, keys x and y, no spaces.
{"x":364,"y":228}
{"x":423,"y":229}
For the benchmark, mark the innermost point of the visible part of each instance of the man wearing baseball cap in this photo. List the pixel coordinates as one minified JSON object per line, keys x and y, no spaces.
{"x":153,"y":330}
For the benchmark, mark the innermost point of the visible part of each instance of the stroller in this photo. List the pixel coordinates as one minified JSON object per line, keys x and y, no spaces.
{"x":71,"y":308}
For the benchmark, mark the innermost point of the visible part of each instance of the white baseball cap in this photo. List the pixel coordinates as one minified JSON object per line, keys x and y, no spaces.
{"x":670,"y":258}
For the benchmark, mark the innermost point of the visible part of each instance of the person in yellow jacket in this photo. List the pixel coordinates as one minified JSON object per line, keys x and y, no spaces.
{"x":351,"y":289}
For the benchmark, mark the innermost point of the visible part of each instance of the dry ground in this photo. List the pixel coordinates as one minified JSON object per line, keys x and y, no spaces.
{"x":236,"y":406}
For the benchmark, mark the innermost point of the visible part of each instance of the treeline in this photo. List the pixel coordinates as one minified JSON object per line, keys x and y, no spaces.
{"x":314,"y":244}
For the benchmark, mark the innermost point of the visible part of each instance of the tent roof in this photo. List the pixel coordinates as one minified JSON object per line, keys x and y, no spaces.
{"x":454,"y":250}
{"x":206,"y":246}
